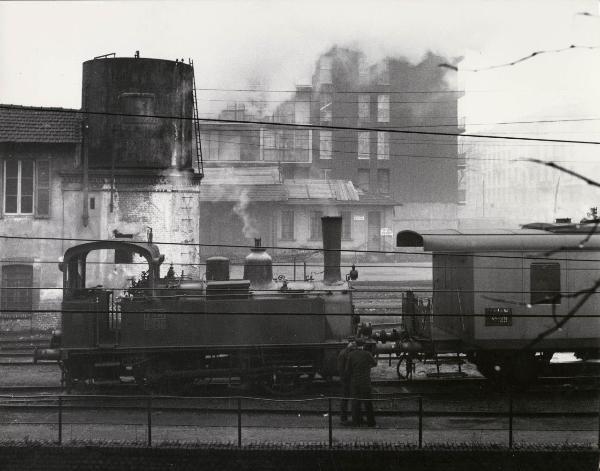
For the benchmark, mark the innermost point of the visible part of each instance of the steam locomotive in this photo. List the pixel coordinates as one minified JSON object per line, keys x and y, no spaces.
{"x":508,"y":300}
{"x":166,"y":333}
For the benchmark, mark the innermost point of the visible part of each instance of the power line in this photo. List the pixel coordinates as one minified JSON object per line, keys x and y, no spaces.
{"x":343,"y":152}
{"x":302,"y":126}
{"x":302,"y":314}
{"x":366,"y":91}
{"x":320,"y":249}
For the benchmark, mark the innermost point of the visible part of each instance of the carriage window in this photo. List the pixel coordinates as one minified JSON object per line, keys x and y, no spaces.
{"x":545,"y":283}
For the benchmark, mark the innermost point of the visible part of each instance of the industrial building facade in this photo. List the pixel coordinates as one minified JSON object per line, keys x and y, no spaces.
{"x":421,"y":175}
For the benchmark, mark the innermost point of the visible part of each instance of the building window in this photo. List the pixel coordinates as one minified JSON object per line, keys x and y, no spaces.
{"x":15,"y":297}
{"x":346,"y":225}
{"x":27,"y":187}
{"x":287,"y":225}
{"x":364,"y":145}
{"x":315,"y":225}
{"x":364,"y":107}
{"x":325,"y":69}
{"x":383,"y":108}
{"x":383,"y":72}
{"x":383,"y":180}
{"x":269,"y":145}
{"x":42,"y":188}
{"x":287,"y":172}
{"x":325,"y":107}
{"x":364,"y":176}
{"x":383,"y":145}
{"x":545,"y":283}
{"x":18,"y":186}
{"x":325,"y":144}
{"x":363,"y":70}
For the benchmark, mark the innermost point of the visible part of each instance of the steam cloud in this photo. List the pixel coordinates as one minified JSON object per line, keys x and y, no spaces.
{"x":241,"y":209}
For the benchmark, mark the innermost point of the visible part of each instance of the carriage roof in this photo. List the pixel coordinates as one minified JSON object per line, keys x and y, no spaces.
{"x":503,"y":240}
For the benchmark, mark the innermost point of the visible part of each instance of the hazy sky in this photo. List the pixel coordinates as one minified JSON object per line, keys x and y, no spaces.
{"x":275,"y":43}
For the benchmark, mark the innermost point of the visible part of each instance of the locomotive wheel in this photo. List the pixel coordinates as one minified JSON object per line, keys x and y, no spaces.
{"x":281,"y":383}
{"x":153,"y":380}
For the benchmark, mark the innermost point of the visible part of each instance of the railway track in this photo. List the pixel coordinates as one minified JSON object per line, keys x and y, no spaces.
{"x":430,"y":387}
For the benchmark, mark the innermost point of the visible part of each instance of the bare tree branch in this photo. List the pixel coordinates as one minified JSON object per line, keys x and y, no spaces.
{"x":589,"y":181}
{"x":515,"y":62}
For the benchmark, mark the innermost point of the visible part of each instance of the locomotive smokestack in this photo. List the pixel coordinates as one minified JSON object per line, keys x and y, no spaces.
{"x":332,"y":243}
{"x":257,"y":242}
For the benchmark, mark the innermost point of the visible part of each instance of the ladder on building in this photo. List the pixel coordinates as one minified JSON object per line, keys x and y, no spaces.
{"x":196,"y":120}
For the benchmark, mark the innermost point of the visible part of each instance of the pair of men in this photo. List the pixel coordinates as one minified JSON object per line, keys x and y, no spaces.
{"x":354,"y":366}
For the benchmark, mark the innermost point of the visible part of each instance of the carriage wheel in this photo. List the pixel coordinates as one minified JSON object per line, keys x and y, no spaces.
{"x":518,"y":369}
{"x":404,"y":367}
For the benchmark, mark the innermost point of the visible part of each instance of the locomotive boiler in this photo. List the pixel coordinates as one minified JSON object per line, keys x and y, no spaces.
{"x":168,"y":332}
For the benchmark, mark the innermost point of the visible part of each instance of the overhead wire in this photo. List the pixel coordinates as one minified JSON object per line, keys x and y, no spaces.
{"x":457,"y":253}
{"x":298,"y":126}
{"x":375,"y":156}
{"x":248,"y":313}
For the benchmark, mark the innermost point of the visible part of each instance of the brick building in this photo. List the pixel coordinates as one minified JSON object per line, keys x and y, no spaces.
{"x":389,"y":95}
{"x":36,"y":146}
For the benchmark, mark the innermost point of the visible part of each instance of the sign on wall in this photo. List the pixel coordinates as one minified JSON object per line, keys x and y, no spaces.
{"x":386,"y":231}
{"x":360,"y":217}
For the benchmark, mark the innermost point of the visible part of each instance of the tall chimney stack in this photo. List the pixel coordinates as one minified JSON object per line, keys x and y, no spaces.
{"x":332,"y":244}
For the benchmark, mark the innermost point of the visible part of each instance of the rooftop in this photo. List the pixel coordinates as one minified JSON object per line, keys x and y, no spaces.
{"x":37,"y":124}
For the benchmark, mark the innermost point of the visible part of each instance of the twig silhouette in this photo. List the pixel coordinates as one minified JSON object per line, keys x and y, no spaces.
{"x":589,"y":181}
{"x":522,"y":59}
{"x":558,"y":324}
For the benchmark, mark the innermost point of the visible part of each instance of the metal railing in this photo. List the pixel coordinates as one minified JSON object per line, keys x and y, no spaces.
{"x":158,"y":407}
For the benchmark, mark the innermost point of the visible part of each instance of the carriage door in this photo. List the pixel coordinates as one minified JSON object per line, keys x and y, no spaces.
{"x":374,"y":231}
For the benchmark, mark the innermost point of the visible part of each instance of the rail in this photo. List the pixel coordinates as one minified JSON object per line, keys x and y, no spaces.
{"x":163,"y":419}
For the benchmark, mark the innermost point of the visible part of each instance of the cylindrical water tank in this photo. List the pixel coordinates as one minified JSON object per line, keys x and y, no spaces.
{"x":217,"y":269}
{"x":149,"y":109}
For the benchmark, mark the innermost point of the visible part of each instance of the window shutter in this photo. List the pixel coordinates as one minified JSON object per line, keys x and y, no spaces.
{"x":42,"y":187}
{"x":1,"y":188}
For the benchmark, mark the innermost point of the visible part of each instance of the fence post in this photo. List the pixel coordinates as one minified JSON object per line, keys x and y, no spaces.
{"x":420,"y":422}
{"x":330,"y":422}
{"x":239,"y":421}
{"x":510,"y":420}
{"x":294,"y":268}
{"x":149,"y":414}
{"x":60,"y":404}
{"x":304,"y":270}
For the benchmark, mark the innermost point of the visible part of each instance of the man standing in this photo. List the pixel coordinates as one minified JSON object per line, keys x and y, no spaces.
{"x":342,"y":361}
{"x":358,"y":369}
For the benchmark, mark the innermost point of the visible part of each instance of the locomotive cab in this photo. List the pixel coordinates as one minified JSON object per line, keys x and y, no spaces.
{"x":91,"y":315}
